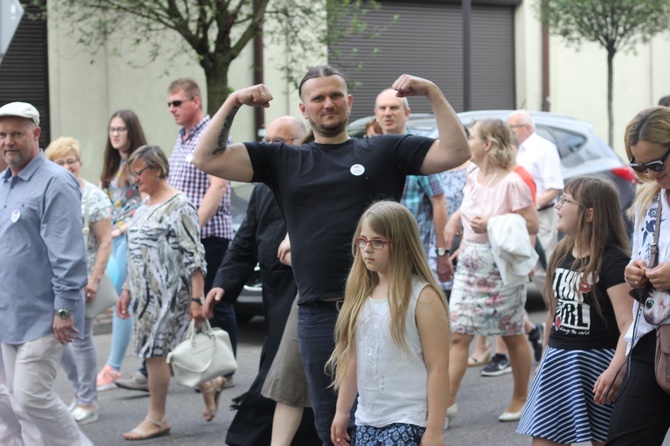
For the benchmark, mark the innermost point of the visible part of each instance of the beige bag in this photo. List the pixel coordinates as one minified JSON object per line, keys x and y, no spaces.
{"x":203,"y":356}
{"x":106,"y":296}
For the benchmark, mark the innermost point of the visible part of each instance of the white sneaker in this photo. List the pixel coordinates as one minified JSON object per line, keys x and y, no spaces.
{"x":83,"y":415}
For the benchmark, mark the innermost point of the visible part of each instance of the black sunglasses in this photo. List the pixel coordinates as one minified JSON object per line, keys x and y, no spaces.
{"x":656,"y":166}
{"x":179,"y":102}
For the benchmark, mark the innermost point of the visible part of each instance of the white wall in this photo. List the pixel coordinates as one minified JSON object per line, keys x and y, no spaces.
{"x":578,"y":77}
{"x":83,"y":95}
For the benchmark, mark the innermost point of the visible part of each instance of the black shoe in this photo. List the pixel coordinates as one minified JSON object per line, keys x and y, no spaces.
{"x":535,"y":338}
{"x":499,"y":365}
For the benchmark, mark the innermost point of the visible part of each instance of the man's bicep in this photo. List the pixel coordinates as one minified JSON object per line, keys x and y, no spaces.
{"x":232,"y":164}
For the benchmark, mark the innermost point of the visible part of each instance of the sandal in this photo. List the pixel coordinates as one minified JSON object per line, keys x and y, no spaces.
{"x":140,"y":433}
{"x":215,"y":388}
{"x":474,"y":361}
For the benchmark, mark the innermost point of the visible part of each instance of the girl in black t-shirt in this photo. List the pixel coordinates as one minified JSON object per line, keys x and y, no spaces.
{"x":589,"y":311}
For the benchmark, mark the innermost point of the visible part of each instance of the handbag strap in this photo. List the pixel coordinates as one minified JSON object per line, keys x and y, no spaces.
{"x":653,"y":261}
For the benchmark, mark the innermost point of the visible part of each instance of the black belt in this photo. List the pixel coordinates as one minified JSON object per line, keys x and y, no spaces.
{"x":325,"y":304}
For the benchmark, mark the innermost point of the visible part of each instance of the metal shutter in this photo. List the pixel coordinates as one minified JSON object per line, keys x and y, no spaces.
{"x":426,"y":41}
{"x":24,"y":74}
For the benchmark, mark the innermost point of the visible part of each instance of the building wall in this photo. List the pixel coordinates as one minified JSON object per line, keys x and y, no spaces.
{"x":83,"y":95}
{"x":578,"y":77}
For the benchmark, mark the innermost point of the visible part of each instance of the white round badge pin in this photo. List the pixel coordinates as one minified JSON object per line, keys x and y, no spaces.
{"x":357,"y":170}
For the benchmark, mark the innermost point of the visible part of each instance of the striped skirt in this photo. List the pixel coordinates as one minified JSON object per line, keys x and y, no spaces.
{"x":560,"y":406}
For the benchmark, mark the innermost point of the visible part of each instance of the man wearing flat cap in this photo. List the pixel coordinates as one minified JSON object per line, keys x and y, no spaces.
{"x":42,"y":272}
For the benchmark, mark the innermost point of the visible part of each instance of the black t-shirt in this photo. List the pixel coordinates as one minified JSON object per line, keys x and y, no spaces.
{"x":322,"y":190}
{"x":577,"y":325}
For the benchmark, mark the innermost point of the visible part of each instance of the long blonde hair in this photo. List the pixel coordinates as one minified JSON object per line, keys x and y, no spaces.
{"x":606,"y":230}
{"x":407,"y":258}
{"x":652,"y":125}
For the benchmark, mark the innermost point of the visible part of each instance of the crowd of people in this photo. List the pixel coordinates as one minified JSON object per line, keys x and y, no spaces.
{"x":382,"y":259}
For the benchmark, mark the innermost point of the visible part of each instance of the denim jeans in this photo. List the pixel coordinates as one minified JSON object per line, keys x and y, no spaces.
{"x":80,"y":362}
{"x":122,"y":329}
{"x":316,"y":327}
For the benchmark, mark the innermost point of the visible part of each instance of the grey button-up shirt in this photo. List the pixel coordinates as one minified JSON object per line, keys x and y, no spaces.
{"x":42,"y":255}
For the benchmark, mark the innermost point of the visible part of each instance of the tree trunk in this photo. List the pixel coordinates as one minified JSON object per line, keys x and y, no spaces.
{"x":610,"y":81}
{"x":217,"y":85}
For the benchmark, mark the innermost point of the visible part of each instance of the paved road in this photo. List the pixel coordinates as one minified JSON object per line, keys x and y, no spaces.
{"x":480,"y":401}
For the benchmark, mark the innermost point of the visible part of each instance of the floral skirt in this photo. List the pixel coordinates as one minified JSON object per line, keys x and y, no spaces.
{"x":396,"y":434}
{"x":480,"y":303}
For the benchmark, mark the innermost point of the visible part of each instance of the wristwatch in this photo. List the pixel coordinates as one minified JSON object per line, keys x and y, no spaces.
{"x":198,"y":300}
{"x":442,"y":251}
{"x":64,"y":314}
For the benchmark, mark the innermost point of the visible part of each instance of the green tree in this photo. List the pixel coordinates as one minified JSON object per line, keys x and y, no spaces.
{"x":215,"y":31}
{"x":616,"y":25}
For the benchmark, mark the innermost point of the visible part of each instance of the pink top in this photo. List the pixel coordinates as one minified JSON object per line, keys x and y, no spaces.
{"x":509,"y":195}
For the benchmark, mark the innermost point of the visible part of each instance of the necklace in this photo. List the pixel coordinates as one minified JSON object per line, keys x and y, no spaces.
{"x":492,"y":179}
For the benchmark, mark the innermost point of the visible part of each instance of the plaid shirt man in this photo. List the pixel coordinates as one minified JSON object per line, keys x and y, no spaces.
{"x":415,"y":198}
{"x":184,"y":176}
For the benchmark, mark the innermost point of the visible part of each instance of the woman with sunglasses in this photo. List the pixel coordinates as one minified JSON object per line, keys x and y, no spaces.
{"x":124,"y":136}
{"x":640,"y":415}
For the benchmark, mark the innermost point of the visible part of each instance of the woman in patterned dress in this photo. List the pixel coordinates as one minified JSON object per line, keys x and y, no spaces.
{"x":124,"y":136}
{"x":166,"y":267}
{"x":480,"y":303}
{"x":80,"y":359}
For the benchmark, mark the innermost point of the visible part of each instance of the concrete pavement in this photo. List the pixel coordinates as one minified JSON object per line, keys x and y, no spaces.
{"x":480,"y":402}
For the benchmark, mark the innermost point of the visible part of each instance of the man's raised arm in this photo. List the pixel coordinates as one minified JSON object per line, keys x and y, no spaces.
{"x":213,"y":155}
{"x":452,"y":149}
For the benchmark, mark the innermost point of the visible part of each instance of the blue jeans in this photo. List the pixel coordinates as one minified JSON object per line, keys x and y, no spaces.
{"x":80,"y":362}
{"x":122,"y":329}
{"x":316,"y":327}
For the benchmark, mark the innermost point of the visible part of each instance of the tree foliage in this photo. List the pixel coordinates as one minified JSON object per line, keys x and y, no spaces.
{"x":616,"y":25}
{"x":215,"y":32}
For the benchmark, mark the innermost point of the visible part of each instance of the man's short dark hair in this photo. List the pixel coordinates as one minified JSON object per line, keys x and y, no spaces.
{"x":664,"y":101}
{"x":320,"y":71}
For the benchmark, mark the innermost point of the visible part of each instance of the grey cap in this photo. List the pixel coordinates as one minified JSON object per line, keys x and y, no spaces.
{"x":21,"y":110}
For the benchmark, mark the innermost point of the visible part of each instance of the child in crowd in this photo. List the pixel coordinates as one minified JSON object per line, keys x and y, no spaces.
{"x":392,"y":337}
{"x":589,"y":311}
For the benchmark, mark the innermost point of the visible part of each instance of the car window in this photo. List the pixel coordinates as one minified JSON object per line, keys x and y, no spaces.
{"x":568,"y":143}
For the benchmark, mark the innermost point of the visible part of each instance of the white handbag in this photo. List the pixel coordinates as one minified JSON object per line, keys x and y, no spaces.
{"x":203,"y":356}
{"x":106,"y":295}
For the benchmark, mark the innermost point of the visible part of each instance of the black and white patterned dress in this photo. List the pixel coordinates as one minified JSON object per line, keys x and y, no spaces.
{"x":164,"y":251}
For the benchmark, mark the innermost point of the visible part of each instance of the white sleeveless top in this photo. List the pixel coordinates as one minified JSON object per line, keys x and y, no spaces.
{"x":392,"y":384}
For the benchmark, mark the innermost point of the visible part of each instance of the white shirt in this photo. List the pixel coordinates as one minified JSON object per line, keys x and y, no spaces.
{"x":392,"y":384}
{"x":540,"y":158}
{"x":643,"y":237}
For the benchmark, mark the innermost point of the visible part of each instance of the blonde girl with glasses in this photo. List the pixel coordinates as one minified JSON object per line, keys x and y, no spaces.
{"x":392,"y":337}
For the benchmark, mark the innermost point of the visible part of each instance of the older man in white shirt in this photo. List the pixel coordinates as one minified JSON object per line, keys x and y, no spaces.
{"x":540,"y":157}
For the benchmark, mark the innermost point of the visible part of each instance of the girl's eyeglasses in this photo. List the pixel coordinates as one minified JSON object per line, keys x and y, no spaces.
{"x":564,"y":200}
{"x":656,"y":166}
{"x":376,"y":243}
